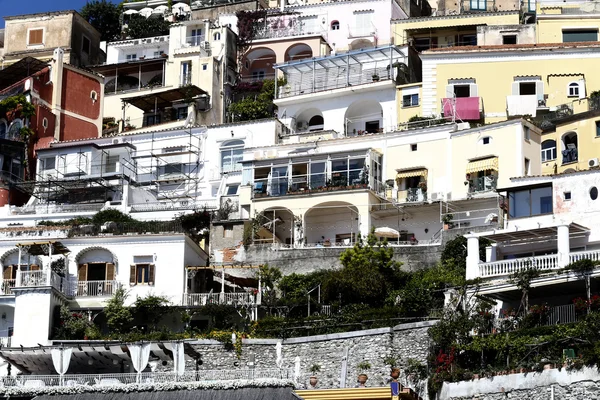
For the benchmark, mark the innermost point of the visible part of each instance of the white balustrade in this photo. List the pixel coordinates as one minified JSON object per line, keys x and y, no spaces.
{"x":593,"y":255}
{"x":507,"y":267}
{"x":6,"y":287}
{"x":45,"y":277}
{"x":202,"y":299}
{"x":96,"y":288}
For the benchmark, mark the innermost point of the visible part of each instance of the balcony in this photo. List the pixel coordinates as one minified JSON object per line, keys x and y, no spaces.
{"x":412,"y":195}
{"x":361,"y":31}
{"x":42,"y":278}
{"x":194,"y":44}
{"x":462,"y":108}
{"x":235,"y":299}
{"x":96,"y":288}
{"x":6,"y":287}
{"x":518,"y":105}
{"x":352,"y":69}
{"x":279,"y":31}
{"x":483,"y":184}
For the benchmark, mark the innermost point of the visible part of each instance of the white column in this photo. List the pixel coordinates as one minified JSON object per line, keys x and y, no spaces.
{"x":490,"y":253}
{"x":562,"y":240}
{"x":18,"y":282}
{"x":472,"y":256}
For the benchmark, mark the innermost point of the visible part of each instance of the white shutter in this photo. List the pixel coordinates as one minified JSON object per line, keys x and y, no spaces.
{"x":450,"y":91}
{"x":515,"y":89}
{"x":539,"y":90}
{"x":582,"y":89}
{"x":473,"y":90}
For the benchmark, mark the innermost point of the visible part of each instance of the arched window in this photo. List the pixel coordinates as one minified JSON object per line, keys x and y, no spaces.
{"x":316,"y":123}
{"x":14,"y":130}
{"x":217,"y":36}
{"x":569,"y":152}
{"x":573,"y":89}
{"x":335,"y":25}
{"x":231,"y":155}
{"x":548,"y":150}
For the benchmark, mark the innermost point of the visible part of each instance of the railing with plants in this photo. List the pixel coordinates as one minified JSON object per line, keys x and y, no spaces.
{"x":96,"y":288}
{"x":202,"y":299}
{"x":124,"y":228}
{"x":45,"y":277}
{"x":70,"y":380}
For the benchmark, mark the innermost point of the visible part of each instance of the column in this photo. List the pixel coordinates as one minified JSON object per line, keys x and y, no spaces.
{"x":472,"y":256}
{"x":562,"y":240}
{"x":490,"y":252}
{"x":19,"y":279}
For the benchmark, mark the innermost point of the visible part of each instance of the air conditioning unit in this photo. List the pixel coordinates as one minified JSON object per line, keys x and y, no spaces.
{"x":301,"y":125}
{"x":116,"y":141}
{"x":593,"y":162}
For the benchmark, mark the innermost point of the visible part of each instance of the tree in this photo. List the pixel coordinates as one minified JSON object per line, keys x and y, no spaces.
{"x":139,"y":27}
{"x":105,"y":17}
{"x":150,"y":309}
{"x":118,"y":316}
{"x":256,"y":106}
{"x":456,"y":251}
{"x":369,"y":273}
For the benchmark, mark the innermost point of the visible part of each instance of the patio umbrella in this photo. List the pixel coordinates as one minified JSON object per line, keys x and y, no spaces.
{"x":130,"y":12}
{"x":181,"y":7}
{"x":160,"y":10}
{"x":387,"y":232}
{"x":146,"y":12}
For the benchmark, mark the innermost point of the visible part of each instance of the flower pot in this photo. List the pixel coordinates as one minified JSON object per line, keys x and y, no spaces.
{"x":395,"y":374}
{"x":313,"y":381}
{"x":362,"y":380}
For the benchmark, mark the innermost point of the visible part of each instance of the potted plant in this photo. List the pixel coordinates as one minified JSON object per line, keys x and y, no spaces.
{"x":447,"y":221}
{"x":362,"y":377}
{"x":313,"y":378}
{"x":375,"y":78}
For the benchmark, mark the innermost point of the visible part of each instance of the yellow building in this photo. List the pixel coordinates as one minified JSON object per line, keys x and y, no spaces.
{"x":509,"y":80}
{"x":562,"y":22}
{"x":571,"y":142}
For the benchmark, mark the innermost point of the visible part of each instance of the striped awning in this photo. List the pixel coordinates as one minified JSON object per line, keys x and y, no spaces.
{"x":409,"y":173}
{"x":483,"y":165}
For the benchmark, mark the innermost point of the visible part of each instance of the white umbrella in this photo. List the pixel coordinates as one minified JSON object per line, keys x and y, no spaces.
{"x":160,"y":10}
{"x":384,"y":231}
{"x":182,"y":7}
{"x":146,"y":12}
{"x":130,"y":12}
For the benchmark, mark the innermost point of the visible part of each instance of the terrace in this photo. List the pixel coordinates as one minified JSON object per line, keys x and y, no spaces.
{"x":355,"y":68}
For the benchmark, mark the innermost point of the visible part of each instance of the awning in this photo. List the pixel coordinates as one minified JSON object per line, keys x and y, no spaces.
{"x":527,"y":235}
{"x":482,"y":165}
{"x":409,"y":173}
{"x":159,"y":100}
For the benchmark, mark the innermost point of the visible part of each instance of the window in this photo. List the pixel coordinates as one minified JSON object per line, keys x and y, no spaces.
{"x":47,"y":164}
{"x":573,"y":89}
{"x":486,"y":140}
{"x":141,"y":274}
{"x":594,"y":193}
{"x":231,"y":155}
{"x":131,"y":57}
{"x":94,"y":96}
{"x":204,"y":67}
{"x":372,"y":126}
{"x":111,"y":164}
{"x":186,"y":73}
{"x":152,"y":120}
{"x":413,"y":147}
{"x":232,"y":190}
{"x":410,"y":100}
{"x":258,"y":75}
{"x":567,"y":195}
{"x":580,"y":35}
{"x":86,"y":45}
{"x":462,"y":90}
{"x":158,"y":53}
{"x":597,"y":129}
{"x":526,"y":88}
{"x":182,"y":112}
{"x":530,"y":202}
{"x":526,"y":133}
{"x":527,"y":166}
{"x":35,"y":37}
{"x":228,"y":231}
{"x":196,"y":37}
{"x":509,"y":39}
{"x":467,"y":40}
{"x":569,"y":152}
{"x":217,"y":36}
{"x":45,"y":123}
{"x":335,"y":26}
{"x":478,"y":5}
{"x":548,"y":150}
{"x":316,"y":123}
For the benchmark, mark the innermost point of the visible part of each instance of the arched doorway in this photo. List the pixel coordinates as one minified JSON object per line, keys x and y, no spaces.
{"x":258,"y":65}
{"x":362,"y":117}
{"x":361,"y":44}
{"x":275,"y":226}
{"x":310,"y":120}
{"x":298,"y":51}
{"x":332,"y":223}
{"x":96,"y":272}
{"x":570,"y":148}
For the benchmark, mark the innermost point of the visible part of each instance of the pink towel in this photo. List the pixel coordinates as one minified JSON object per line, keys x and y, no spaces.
{"x":467,"y":108}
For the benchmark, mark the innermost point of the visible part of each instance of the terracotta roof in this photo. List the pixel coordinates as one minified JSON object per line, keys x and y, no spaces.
{"x":560,"y":174}
{"x":508,"y":47}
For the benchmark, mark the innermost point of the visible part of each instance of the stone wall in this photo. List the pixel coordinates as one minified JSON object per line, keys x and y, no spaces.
{"x":546,"y":385}
{"x":373,"y":346}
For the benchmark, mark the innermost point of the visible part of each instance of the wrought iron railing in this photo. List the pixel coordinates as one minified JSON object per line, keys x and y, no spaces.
{"x":96,"y":288}
{"x":202,"y":299}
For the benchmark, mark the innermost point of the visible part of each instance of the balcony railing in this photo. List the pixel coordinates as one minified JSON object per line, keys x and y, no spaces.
{"x":114,"y":228}
{"x":280,"y":187}
{"x":96,"y":288}
{"x":593,"y":255}
{"x":483,"y":184}
{"x":255,"y":77}
{"x":412,"y":195}
{"x":549,"y":119}
{"x":361,"y":31}
{"x":507,"y":267}
{"x":202,"y":299}
{"x":41,"y":278}
{"x":6,"y":287}
{"x":71,"y":380}
{"x":295,"y":30}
